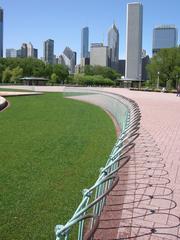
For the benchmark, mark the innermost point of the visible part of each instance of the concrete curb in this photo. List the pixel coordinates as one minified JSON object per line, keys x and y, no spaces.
{"x":3,"y":103}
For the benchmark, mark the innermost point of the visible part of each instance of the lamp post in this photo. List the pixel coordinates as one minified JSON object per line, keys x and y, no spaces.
{"x":157,"y":86}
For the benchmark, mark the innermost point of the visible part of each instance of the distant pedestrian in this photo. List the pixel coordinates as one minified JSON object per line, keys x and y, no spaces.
{"x":163,"y":90}
{"x":178,"y":91}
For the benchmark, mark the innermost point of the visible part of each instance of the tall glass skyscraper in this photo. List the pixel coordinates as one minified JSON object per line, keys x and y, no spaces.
{"x":69,"y":59}
{"x":113,"y":44}
{"x":134,"y":41}
{"x":1,"y":32}
{"x":49,"y":51}
{"x":85,"y":42}
{"x":164,"y":36}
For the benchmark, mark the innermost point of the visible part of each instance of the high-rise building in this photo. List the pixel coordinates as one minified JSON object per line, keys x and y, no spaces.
{"x":134,"y":41}
{"x":68,"y":58}
{"x":35,"y":53}
{"x":18,"y":52}
{"x":30,"y":50}
{"x":1,"y":32}
{"x":85,"y":42}
{"x":24,"y":50}
{"x":11,"y":53}
{"x":164,"y":36}
{"x":99,"y":55}
{"x":145,"y":62}
{"x":113,"y":44}
{"x":49,"y":51}
{"x":61,"y":60}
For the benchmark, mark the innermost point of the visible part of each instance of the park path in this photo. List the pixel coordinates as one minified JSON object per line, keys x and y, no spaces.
{"x":146,"y":202}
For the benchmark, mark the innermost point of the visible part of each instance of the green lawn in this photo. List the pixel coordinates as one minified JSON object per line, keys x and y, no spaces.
{"x":50,"y":149}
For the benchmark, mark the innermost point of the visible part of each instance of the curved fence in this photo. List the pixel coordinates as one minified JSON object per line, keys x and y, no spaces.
{"x":84,"y":221}
{"x":3,"y":103}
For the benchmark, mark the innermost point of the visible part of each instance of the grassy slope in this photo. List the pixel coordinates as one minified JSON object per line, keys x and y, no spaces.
{"x":50,"y":149}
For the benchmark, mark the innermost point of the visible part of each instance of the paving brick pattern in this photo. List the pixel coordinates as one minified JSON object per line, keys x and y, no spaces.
{"x":146,"y":202}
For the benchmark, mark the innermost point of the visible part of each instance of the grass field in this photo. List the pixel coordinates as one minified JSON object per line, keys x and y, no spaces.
{"x":50,"y":149}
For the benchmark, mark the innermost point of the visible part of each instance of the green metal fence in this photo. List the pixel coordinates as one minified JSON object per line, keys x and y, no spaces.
{"x":84,"y":221}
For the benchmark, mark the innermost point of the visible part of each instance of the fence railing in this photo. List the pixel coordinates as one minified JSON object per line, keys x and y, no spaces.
{"x":84,"y":221}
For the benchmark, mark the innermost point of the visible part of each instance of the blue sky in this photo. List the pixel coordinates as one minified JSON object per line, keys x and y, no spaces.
{"x":62,"y":20}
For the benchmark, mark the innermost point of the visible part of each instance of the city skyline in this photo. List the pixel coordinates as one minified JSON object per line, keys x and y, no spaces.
{"x":67,"y":31}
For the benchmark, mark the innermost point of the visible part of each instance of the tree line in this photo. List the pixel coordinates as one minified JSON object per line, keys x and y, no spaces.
{"x":96,"y":76}
{"x":165,"y":68}
{"x":12,"y":69}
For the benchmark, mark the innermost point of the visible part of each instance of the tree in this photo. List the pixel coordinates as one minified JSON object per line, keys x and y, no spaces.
{"x":61,"y":71}
{"x":54,"y":78}
{"x":166,"y":64}
{"x":48,"y":70}
{"x":106,"y":72}
{"x":16,"y":74}
{"x":6,"y":75}
{"x":89,"y":70}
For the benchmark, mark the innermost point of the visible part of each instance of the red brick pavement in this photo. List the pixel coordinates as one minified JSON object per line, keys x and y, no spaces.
{"x":146,"y":202}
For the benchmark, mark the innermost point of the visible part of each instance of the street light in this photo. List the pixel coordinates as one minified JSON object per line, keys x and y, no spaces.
{"x":158,"y":80}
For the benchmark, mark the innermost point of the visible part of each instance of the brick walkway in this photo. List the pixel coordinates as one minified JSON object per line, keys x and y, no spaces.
{"x":146,"y":202}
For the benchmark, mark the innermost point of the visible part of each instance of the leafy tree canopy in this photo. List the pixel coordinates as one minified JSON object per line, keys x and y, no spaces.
{"x":165,"y":65}
{"x":13,"y":68}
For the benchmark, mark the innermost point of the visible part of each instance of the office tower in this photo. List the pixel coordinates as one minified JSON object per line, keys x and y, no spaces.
{"x":1,"y":32}
{"x":49,"y":51}
{"x":11,"y":53}
{"x":24,"y":50}
{"x":61,"y":60}
{"x":164,"y":36}
{"x":113,"y":44}
{"x":134,"y":41}
{"x":85,"y":42}
{"x":35,"y":53}
{"x":121,"y":67}
{"x":18,"y":53}
{"x":68,"y":58}
{"x":145,"y":62}
{"x":99,"y":55}
{"x":30,"y":50}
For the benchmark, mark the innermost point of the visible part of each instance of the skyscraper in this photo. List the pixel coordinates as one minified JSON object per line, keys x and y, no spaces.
{"x":134,"y":41}
{"x":164,"y":36}
{"x":30,"y":50}
{"x":85,"y":42}
{"x":24,"y":50}
{"x":49,"y":51}
{"x":68,"y":58}
{"x":113,"y":44}
{"x":35,"y":53}
{"x":1,"y":32}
